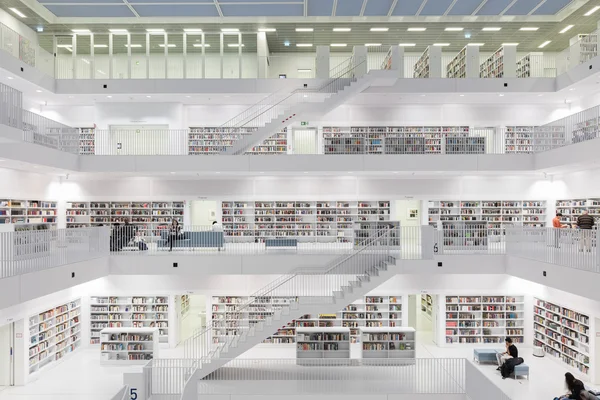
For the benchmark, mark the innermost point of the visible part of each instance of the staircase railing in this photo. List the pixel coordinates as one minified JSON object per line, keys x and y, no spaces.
{"x":274,"y":104}
{"x":304,"y":285}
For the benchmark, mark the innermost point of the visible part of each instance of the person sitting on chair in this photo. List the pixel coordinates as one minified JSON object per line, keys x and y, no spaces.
{"x":511,"y":352}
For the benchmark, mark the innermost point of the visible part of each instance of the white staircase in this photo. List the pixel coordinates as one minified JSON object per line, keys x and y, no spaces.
{"x":280,"y":109}
{"x":318,"y":290}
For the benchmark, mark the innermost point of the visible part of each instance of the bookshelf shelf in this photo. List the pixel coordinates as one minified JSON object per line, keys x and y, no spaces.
{"x":87,"y":141}
{"x":492,"y":214}
{"x":588,"y":47}
{"x":28,"y":212}
{"x":562,"y":333}
{"x":484,"y":319}
{"x":53,"y":334}
{"x":316,"y":221}
{"x":213,"y":140}
{"x":322,"y":343}
{"x":128,"y":345}
{"x":573,"y":208}
{"x":457,"y":68}
{"x":427,"y":305}
{"x":390,"y":343}
{"x":422,"y":67}
{"x":129,"y":312}
{"x":147,"y":216}
{"x":369,"y":311}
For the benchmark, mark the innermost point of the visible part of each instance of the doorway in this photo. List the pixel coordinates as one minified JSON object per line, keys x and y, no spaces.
{"x":304,"y":141}
{"x":204,"y":212}
{"x":192,"y":315}
{"x":6,"y":356}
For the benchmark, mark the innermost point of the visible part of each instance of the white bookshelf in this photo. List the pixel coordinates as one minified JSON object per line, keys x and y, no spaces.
{"x":427,"y":305}
{"x":129,"y":312}
{"x":502,"y":63}
{"x":369,"y":311}
{"x":147,"y":216}
{"x":585,"y":130}
{"x":87,"y":141}
{"x":588,"y":47}
{"x":128,"y":345}
{"x":322,"y":343}
{"x":531,"y":66}
{"x":562,"y":333}
{"x":465,"y":64}
{"x":519,"y":139}
{"x":548,"y":137}
{"x":484,"y":319}
{"x":184,"y":305}
{"x":214,"y":140}
{"x":53,"y":334}
{"x":231,"y":316}
{"x":573,"y":208}
{"x":421,"y":68}
{"x":311,"y":221}
{"x":27,"y":212}
{"x":390,"y":343}
{"x":495,"y":214}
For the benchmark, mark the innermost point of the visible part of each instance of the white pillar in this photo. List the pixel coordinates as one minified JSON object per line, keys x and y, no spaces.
{"x":398,"y":60}
{"x":472,"y":62}
{"x":322,"y":66}
{"x":360,"y":61}
{"x":435,"y":62}
{"x":510,"y":61}
{"x":262,"y":52}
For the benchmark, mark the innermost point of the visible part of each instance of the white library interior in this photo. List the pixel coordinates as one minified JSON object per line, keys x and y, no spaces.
{"x":312,"y":199}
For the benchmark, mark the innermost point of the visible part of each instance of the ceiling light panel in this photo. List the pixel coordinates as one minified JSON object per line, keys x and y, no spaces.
{"x":192,"y":30}
{"x":416,"y":29}
{"x":491,"y":29}
{"x":19,"y":13}
{"x":372,"y":44}
{"x":338,"y":45}
{"x":118,"y":31}
{"x":342,"y":29}
{"x":267,"y":30}
{"x":442,"y":44}
{"x":304,"y":29}
{"x":380,"y":29}
{"x":529,"y":28}
{"x":230,"y":30}
{"x":593,"y":10}
{"x":155,"y":30}
{"x":566,"y":28}
{"x":303,"y":44}
{"x":454,"y":29}
{"x":546,"y":43}
{"x":407,"y":44}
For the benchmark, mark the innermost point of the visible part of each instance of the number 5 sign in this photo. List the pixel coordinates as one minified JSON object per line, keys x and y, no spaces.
{"x":135,"y":381}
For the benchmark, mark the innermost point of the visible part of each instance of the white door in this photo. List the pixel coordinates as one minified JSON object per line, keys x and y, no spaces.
{"x":142,"y":140}
{"x":6,"y":355}
{"x":204,"y":212}
{"x":305,"y":141}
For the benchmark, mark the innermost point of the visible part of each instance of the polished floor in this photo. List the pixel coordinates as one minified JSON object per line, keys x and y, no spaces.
{"x":81,"y":376}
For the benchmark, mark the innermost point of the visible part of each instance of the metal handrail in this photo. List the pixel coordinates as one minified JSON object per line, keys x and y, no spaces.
{"x":293,"y":93}
{"x":288,"y":277}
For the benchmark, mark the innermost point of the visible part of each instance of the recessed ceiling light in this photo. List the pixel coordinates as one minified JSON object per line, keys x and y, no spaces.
{"x":342,"y":29}
{"x":454,"y":29}
{"x":475,"y":44}
{"x":267,"y":29}
{"x":188,"y":96}
{"x":172,"y":173}
{"x":501,"y":95}
{"x":101,"y":72}
{"x":416,"y":29}
{"x":546,"y":43}
{"x":192,"y":30}
{"x":19,"y":13}
{"x":304,"y":29}
{"x":80,"y":30}
{"x":86,"y":61}
{"x":66,"y":47}
{"x":510,"y":44}
{"x":71,"y":97}
{"x":155,"y":30}
{"x":372,"y":44}
{"x":236,"y":45}
{"x":593,"y":10}
{"x":134,"y":45}
{"x":148,"y":97}
{"x":422,"y":95}
{"x":230,"y":30}
{"x":201,"y":45}
{"x":566,"y":28}
{"x":380,"y":29}
{"x":10,"y":77}
{"x":304,"y":70}
{"x":540,"y":95}
{"x":162,"y":45}
{"x":441,"y":44}
{"x":38,"y":90}
{"x":306,"y":172}
{"x":338,"y":44}
{"x":262,"y":172}
{"x":407,"y":44}
{"x":462,"y":95}
{"x":303,"y":44}
{"x":110,"y":97}
{"x":491,"y":29}
{"x":529,"y":28}
{"x":100,"y":46}
{"x":572,"y":89}
{"x":118,"y":31}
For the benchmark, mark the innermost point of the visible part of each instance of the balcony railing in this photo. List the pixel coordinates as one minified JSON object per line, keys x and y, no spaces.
{"x":433,"y":376}
{"x":23,"y":252}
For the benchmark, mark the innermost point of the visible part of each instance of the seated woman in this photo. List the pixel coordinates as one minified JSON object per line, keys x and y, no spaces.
{"x":511,"y":352}
{"x":574,"y":386}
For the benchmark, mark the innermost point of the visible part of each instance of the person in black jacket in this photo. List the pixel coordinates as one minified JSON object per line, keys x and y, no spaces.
{"x":585,"y":223}
{"x":575,"y":387}
{"x":511,"y":352}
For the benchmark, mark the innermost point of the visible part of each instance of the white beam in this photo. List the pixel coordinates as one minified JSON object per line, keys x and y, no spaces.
{"x":421,"y":8}
{"x":508,"y":6}
{"x":392,"y":8}
{"x":450,"y":7}
{"x":218,"y":8}
{"x":362,"y":9}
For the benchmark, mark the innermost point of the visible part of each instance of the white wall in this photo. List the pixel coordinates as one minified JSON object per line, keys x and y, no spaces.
{"x":19,"y":27}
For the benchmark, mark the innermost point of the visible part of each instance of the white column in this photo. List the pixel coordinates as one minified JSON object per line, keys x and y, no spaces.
{"x":262,"y":53}
{"x":472,"y":61}
{"x":360,"y":61}
{"x":398,"y":60}
{"x":435,"y":62}
{"x":510,"y":61}
{"x":322,"y":66}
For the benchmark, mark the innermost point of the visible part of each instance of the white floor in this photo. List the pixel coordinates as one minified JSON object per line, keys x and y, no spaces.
{"x":81,"y":376}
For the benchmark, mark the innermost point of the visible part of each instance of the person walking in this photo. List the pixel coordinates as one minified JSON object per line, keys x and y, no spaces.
{"x":585,"y":223}
{"x":174,"y":232}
